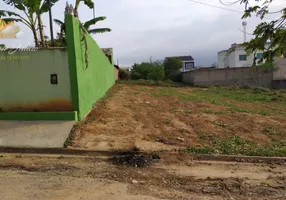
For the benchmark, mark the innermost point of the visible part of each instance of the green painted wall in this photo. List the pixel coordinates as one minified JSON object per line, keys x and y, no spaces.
{"x":88,"y":83}
{"x":25,"y":81}
{"x":63,"y":116}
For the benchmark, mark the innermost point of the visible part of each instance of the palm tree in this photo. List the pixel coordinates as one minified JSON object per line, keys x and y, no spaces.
{"x":40,"y":9}
{"x":28,"y":21}
{"x":89,"y":3}
{"x":33,"y":9}
{"x":61,"y":36}
{"x":87,"y":25}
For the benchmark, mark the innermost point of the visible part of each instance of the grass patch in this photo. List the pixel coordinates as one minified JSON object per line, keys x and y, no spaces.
{"x":199,"y":150}
{"x":166,"y":122}
{"x":187,"y":112}
{"x":220,"y":124}
{"x":238,"y":146}
{"x":272,"y":131}
{"x":243,"y":95}
{"x":267,"y":102}
{"x":172,"y":92}
{"x":215,"y":112}
{"x":166,"y":83}
{"x":205,"y":136}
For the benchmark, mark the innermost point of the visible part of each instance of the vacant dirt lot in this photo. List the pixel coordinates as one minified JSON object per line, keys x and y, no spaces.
{"x":25,"y":177}
{"x":196,"y":120}
{"x":199,"y":120}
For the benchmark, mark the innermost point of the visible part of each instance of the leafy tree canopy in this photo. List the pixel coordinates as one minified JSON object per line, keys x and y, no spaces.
{"x":148,"y":71}
{"x":123,"y":74}
{"x":172,"y":68}
{"x":273,"y":31}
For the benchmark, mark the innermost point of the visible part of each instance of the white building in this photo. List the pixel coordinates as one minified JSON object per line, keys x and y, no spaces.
{"x":236,"y":58}
{"x":188,"y":63}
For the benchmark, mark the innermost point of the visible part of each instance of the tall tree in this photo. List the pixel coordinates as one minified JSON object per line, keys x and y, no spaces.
{"x":61,"y":36}
{"x":172,"y":68}
{"x":273,"y":31}
{"x":148,"y":71}
{"x":28,"y":20}
{"x":42,"y":7}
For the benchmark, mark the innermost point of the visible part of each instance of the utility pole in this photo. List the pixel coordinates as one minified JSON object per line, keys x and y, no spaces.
{"x":51,"y":22}
{"x":244,"y":24}
{"x":151,"y":59}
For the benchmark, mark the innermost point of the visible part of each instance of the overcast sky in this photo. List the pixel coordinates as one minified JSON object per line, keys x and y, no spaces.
{"x":157,"y":28}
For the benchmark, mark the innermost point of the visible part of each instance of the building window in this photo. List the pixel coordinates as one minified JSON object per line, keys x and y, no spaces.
{"x":54,"y":79}
{"x":242,"y":57}
{"x":259,"y":55}
{"x":189,"y":65}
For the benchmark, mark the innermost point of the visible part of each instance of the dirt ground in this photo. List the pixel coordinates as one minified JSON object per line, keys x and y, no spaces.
{"x":134,"y":116}
{"x":25,"y":177}
{"x":159,"y":119}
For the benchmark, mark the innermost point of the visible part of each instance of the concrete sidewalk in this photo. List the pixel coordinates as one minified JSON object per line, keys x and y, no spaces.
{"x":34,"y":134}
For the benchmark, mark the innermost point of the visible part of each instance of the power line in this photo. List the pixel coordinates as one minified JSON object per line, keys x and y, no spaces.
{"x":244,"y":32}
{"x":206,"y":4}
{"x":275,"y":12}
{"x":237,"y":1}
{"x":210,"y":5}
{"x":229,"y":3}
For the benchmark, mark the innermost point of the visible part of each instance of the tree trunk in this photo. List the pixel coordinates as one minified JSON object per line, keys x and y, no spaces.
{"x":41,"y":29}
{"x":75,"y":12}
{"x":284,"y":54}
{"x":35,"y":35}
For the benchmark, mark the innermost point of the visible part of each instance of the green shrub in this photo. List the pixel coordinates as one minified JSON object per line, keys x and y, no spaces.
{"x":123,"y":74}
{"x":258,"y":90}
{"x":148,"y":71}
{"x":199,"y":150}
{"x":157,"y":73}
{"x":166,"y":83}
{"x":172,"y":68}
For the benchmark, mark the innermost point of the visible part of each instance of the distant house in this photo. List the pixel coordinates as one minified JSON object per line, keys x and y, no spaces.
{"x":236,"y":56}
{"x":188,"y":63}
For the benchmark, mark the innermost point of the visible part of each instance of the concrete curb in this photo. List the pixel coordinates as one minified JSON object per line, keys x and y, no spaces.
{"x":93,"y":153}
{"x":62,"y":151}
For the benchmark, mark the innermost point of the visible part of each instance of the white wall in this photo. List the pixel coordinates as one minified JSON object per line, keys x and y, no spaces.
{"x":221,"y":59}
{"x":232,"y":60}
{"x":239,"y":63}
{"x":280,"y":74}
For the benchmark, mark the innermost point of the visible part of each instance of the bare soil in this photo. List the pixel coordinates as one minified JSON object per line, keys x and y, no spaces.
{"x":131,"y":117}
{"x":56,"y":177}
